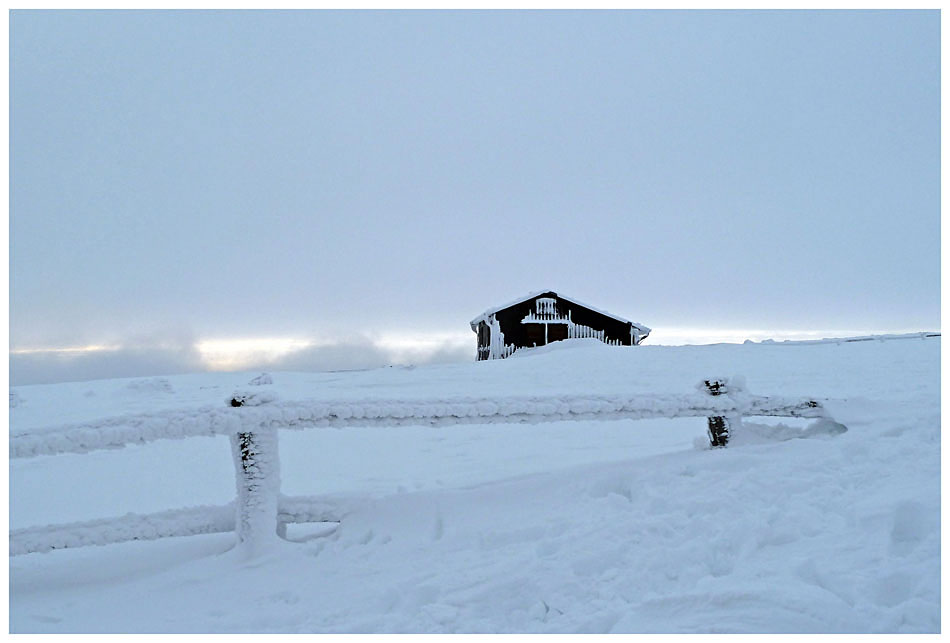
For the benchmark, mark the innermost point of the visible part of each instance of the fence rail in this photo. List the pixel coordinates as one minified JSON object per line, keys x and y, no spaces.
{"x":251,"y":421}
{"x":128,"y":430}
{"x":190,"y":521}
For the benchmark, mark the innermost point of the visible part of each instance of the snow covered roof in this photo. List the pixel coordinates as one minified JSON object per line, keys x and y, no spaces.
{"x":491,"y":311}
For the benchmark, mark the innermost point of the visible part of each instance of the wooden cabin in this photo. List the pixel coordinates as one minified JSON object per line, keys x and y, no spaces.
{"x":544,"y":317}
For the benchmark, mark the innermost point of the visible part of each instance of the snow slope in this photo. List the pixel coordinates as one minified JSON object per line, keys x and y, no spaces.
{"x":622,"y":526}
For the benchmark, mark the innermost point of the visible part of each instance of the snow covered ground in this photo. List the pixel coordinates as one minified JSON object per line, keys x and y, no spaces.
{"x":620,"y":526}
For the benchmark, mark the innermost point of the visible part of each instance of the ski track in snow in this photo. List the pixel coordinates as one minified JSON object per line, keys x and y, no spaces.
{"x":566,"y":527}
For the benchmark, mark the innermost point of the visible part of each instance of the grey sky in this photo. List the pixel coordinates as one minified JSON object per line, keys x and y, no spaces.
{"x":330,"y":174}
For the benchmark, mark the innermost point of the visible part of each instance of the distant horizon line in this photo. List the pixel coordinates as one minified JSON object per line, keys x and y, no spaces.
{"x":31,"y":366}
{"x":414,"y":342}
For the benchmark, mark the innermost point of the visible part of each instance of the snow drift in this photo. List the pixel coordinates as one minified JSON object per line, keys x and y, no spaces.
{"x":562,"y":527}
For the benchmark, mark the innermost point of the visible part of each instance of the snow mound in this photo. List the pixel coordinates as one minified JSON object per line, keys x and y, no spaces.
{"x":149,"y":386}
{"x":749,"y":432}
{"x":586,"y":344}
{"x":261,"y":380}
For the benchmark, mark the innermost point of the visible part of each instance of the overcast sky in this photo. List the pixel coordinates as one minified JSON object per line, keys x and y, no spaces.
{"x":361,"y":179}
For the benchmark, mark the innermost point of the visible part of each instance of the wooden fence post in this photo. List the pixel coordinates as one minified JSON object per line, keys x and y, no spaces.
{"x":719,"y":427}
{"x":257,"y":476}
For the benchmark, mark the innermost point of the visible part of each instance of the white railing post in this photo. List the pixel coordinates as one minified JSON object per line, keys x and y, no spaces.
{"x":257,"y":477}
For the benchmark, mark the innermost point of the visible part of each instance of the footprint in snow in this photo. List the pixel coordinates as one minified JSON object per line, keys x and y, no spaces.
{"x":285,"y":597}
{"x":912,"y":522}
{"x":46,"y":619}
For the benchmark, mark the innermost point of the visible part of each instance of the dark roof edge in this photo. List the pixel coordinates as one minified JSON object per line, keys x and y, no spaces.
{"x":644,"y":330}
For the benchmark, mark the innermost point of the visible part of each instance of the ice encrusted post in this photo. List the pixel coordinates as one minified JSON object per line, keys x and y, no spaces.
{"x":719,"y":427}
{"x":257,"y":476}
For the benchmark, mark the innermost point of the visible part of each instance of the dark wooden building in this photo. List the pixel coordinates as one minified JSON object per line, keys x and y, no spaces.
{"x":544,"y":317}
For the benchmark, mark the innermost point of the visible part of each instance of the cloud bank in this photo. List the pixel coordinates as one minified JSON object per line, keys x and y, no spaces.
{"x":172,"y":356}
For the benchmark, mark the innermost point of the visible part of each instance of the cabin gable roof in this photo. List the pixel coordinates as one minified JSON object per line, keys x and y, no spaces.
{"x":491,"y":311}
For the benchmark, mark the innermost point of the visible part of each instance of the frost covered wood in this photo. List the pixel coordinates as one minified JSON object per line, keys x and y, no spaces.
{"x":719,"y":427}
{"x":252,"y":420}
{"x":257,"y":479}
{"x":111,"y":433}
{"x":190,"y":521}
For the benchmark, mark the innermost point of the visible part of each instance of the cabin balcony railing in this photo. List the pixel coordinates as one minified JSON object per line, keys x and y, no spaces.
{"x":532,"y":318}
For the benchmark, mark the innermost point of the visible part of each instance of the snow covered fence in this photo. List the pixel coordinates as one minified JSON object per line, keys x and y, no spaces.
{"x":252,"y":413}
{"x":177,"y":522}
{"x":190,"y":521}
{"x":258,"y":488}
{"x":251,"y":421}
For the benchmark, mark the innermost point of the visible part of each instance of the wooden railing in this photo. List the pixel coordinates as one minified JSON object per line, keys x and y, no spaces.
{"x":251,"y":421}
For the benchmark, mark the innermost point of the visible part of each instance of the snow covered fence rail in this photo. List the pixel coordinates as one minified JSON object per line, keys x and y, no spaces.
{"x":112,"y":433}
{"x":190,"y":521}
{"x":848,"y":340}
{"x":251,"y":421}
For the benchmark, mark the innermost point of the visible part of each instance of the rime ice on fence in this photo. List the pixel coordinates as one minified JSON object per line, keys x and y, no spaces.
{"x":257,"y":478}
{"x":191,"y":521}
{"x":720,"y":427}
{"x":252,"y":398}
{"x":252,"y":419}
{"x":117,"y":432}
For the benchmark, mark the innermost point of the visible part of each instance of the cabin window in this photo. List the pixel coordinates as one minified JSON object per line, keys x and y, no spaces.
{"x":545,"y":306}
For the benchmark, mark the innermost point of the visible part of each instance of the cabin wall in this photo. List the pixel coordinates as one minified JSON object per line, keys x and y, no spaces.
{"x":520,"y":335}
